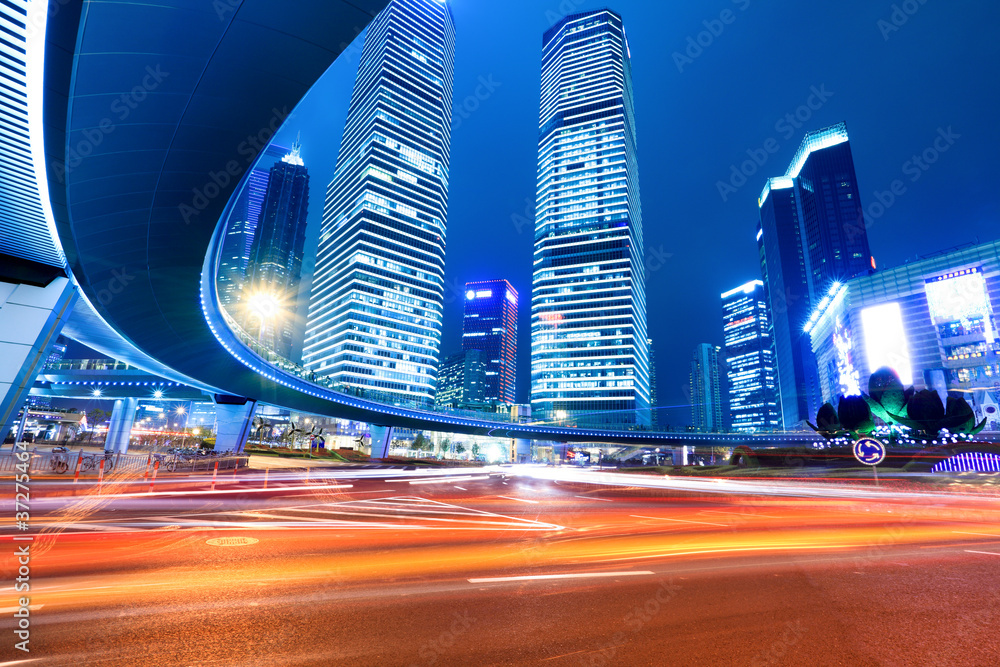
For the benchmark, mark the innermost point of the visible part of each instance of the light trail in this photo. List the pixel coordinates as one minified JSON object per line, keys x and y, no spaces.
{"x":543,"y":577}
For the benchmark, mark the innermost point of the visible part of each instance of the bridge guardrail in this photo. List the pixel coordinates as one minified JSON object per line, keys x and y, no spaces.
{"x":40,"y":463}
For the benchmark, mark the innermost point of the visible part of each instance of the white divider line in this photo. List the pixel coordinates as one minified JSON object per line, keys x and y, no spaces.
{"x":580,"y":575}
{"x":661,"y":518}
{"x":962,"y":532}
{"x":603,"y":500}
{"x":985,"y":553}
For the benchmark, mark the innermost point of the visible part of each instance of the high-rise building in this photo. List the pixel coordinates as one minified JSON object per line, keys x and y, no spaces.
{"x":274,"y":271}
{"x":932,"y":320}
{"x":240,"y":229}
{"x":707,"y":408}
{"x":589,"y":348}
{"x":490,"y":325}
{"x":462,"y":381}
{"x":811,"y":234}
{"x":749,"y":359}
{"x":378,"y":288}
{"x":654,"y":395}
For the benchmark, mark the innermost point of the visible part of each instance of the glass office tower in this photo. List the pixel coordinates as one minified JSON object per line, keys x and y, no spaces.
{"x":749,"y":359}
{"x":589,"y":348}
{"x":275,"y":268}
{"x":377,"y":294}
{"x":707,"y":406}
{"x":811,"y":234}
{"x":490,"y":325}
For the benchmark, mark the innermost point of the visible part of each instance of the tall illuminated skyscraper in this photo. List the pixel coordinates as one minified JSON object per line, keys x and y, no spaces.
{"x":811,"y":235}
{"x":378,"y":288}
{"x":275,"y":268}
{"x":749,"y":359}
{"x":589,"y":348}
{"x":490,"y":325}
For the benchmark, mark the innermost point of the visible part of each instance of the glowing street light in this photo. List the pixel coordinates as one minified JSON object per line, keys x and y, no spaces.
{"x":158,"y":393}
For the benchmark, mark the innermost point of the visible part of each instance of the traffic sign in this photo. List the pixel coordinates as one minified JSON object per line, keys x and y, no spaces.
{"x":869,"y":451}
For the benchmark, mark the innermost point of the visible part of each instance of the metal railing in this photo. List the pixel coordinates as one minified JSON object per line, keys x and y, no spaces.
{"x":41,"y":463}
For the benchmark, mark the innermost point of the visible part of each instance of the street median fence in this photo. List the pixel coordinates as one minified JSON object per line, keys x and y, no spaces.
{"x":65,"y":464}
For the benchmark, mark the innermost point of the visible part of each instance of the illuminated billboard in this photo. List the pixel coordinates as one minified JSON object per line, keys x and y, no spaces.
{"x":885,"y":340}
{"x":961,"y":297}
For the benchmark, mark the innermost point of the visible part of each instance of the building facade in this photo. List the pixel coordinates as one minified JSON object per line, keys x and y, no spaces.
{"x":274,"y":272}
{"x":240,"y":230}
{"x":378,"y":288}
{"x":589,"y":347}
{"x":749,"y":359}
{"x":490,"y":326}
{"x":707,"y":406}
{"x":812,"y":234}
{"x":933,"y":321}
{"x":462,"y":380}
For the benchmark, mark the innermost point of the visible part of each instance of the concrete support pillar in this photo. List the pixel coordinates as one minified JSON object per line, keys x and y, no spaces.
{"x":120,"y":426}
{"x":31,"y":318}
{"x":233,"y":422}
{"x":381,"y":441}
{"x":521,"y":450}
{"x":681,"y":456}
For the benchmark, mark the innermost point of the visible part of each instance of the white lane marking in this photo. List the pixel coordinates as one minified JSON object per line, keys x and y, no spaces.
{"x":986,"y":553}
{"x":962,"y":532}
{"x":603,"y":500}
{"x":18,"y":662}
{"x":520,"y":500}
{"x":460,"y":488}
{"x":581,"y":575}
{"x":747,"y":514}
{"x":661,"y":518}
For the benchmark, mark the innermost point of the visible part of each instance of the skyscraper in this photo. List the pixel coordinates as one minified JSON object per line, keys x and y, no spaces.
{"x":240,"y":229}
{"x":707,"y":407}
{"x":654,"y":394}
{"x":589,"y":349}
{"x":275,"y":267}
{"x":749,"y":359}
{"x":490,"y":325}
{"x":462,"y":381}
{"x":378,"y":288}
{"x":811,"y":235}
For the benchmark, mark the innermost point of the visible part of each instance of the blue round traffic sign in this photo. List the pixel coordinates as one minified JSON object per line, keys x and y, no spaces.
{"x":869,"y":451}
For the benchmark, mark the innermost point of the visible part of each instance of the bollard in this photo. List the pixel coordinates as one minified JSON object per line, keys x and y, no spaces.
{"x":152,"y":480}
{"x":215,"y":474}
{"x":100,"y":477}
{"x":236,"y":467}
{"x":79,"y":462}
{"x":149,"y":461}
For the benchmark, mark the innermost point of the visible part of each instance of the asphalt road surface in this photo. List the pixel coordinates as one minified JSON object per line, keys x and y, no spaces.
{"x":514,"y":567}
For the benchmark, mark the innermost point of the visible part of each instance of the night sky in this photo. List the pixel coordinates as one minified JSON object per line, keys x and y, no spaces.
{"x":697,"y":115}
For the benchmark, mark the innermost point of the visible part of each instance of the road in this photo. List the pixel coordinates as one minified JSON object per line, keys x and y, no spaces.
{"x":513,"y":567}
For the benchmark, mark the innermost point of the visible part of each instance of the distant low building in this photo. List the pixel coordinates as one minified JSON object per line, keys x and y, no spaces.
{"x":932,"y":320}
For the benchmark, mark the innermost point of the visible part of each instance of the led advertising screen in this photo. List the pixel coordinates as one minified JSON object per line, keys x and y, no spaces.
{"x":885,"y":340}
{"x":959,"y":297}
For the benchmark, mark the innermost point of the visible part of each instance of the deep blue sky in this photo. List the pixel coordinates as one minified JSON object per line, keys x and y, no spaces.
{"x":938,"y":70}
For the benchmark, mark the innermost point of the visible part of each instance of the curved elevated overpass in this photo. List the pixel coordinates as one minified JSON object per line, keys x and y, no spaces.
{"x":153,"y":116}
